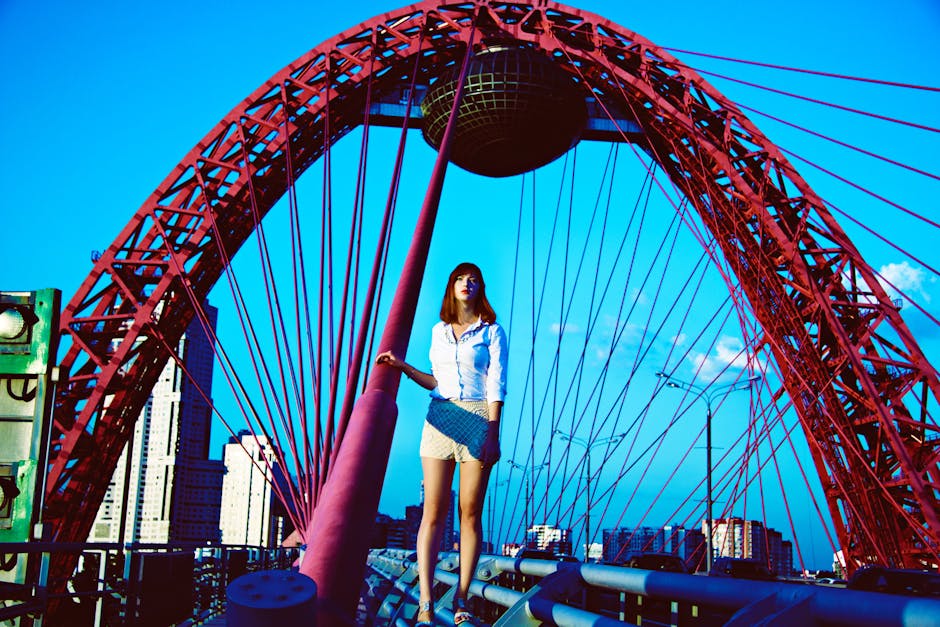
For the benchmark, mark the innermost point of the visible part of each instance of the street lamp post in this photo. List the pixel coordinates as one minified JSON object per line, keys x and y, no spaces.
{"x":528,"y":490}
{"x":588,"y":445}
{"x":708,"y":394}
{"x":489,"y":509}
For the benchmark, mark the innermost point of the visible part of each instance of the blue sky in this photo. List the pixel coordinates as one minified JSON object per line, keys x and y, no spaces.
{"x":101,"y":100}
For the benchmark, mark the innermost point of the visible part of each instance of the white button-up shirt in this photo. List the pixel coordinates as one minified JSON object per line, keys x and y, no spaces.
{"x":472,"y":367}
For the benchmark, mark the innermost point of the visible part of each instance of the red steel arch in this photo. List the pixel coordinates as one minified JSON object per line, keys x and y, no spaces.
{"x":857,"y":378}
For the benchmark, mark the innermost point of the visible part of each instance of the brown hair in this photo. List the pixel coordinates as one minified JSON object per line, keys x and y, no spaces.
{"x":449,"y":305}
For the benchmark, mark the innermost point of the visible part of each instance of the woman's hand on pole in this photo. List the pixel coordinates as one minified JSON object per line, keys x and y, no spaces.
{"x":389,"y":358}
{"x":424,"y":379}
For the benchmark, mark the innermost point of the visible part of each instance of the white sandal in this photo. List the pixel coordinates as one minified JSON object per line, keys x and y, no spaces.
{"x":461,"y":614}
{"x":427,"y":620}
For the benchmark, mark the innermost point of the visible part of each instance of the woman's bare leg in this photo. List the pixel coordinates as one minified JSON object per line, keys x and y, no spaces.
{"x":438,"y":478}
{"x":473,"y":479}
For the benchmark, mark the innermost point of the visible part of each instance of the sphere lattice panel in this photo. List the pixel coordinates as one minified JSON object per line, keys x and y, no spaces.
{"x":519,"y":111}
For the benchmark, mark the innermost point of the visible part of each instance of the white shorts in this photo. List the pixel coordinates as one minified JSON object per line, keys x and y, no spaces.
{"x":455,"y":430}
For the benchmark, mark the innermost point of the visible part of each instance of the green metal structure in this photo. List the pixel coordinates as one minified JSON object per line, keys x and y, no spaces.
{"x":29,"y":335}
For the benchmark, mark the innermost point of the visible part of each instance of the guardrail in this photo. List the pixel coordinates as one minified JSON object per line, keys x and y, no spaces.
{"x":133,"y":584}
{"x":185,"y":585}
{"x":511,"y":592}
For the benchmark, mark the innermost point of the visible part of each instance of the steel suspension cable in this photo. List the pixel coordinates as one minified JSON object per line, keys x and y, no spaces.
{"x":249,"y":333}
{"x":574,"y":383}
{"x":694,"y":230}
{"x":803,"y":475}
{"x":635,"y":369}
{"x":218,"y":350}
{"x":576,"y":378}
{"x":833,"y":105}
{"x":839,"y":142}
{"x":779,"y":476}
{"x":614,"y":344}
{"x":862,"y":189}
{"x":279,"y":333}
{"x":659,"y":441}
{"x":512,"y":310}
{"x":621,"y":323}
{"x":268,"y":469}
{"x":774,"y":448}
{"x":300,"y":289}
{"x":376,"y":278}
{"x":847,"y":77}
{"x":332,"y":438}
{"x":326,"y":209}
{"x":641,"y":417}
{"x":724,"y":479}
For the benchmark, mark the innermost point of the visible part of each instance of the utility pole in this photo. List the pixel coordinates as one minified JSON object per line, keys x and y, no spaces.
{"x":588,"y":446}
{"x":708,"y":394}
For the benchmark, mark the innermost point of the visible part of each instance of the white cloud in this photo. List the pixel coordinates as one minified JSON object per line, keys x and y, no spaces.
{"x":630,"y":334}
{"x":627,"y":334}
{"x":906,"y":278}
{"x":728,"y":352}
{"x":558,"y":328}
{"x":679,"y":340}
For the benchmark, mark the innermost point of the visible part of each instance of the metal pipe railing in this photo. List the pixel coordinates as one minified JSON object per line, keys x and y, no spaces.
{"x":554,"y":613}
{"x":824,"y":604}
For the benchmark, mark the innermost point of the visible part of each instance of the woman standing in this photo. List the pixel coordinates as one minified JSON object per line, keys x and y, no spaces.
{"x":468,"y":383}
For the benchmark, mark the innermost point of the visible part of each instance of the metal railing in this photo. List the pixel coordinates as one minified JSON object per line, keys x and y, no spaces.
{"x":514,"y":592}
{"x":180,"y":584}
{"x":185,"y":585}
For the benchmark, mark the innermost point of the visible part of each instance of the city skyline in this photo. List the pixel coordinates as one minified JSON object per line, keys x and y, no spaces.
{"x":165,"y":487}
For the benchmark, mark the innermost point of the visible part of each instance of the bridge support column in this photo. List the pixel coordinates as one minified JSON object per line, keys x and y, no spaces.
{"x":338,"y":535}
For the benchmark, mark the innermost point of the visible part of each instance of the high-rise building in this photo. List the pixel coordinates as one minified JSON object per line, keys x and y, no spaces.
{"x":249,"y":512}
{"x":619,"y":543}
{"x":449,"y":538}
{"x":549,"y":538}
{"x":403,"y":533}
{"x":688,"y":544}
{"x":780,"y":553}
{"x":736,"y":537}
{"x":380,"y":531}
{"x":413,"y":514}
{"x":164,"y":488}
{"x":595,"y":552}
{"x":399,"y":535}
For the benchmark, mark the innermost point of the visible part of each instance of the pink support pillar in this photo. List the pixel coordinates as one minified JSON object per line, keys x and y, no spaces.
{"x":338,"y":535}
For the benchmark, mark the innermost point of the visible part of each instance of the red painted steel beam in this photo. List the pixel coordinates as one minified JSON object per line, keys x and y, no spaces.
{"x":338,"y":537}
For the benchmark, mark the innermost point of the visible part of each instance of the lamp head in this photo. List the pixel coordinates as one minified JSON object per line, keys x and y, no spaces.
{"x":15,"y":322}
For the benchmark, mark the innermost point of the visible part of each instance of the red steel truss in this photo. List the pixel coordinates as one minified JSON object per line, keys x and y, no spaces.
{"x":856,"y":376}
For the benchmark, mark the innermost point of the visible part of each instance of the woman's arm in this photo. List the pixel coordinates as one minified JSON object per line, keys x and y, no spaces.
{"x":495,"y":411}
{"x":495,"y":392}
{"x":491,"y":451}
{"x":424,"y":379}
{"x":499,"y":360}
